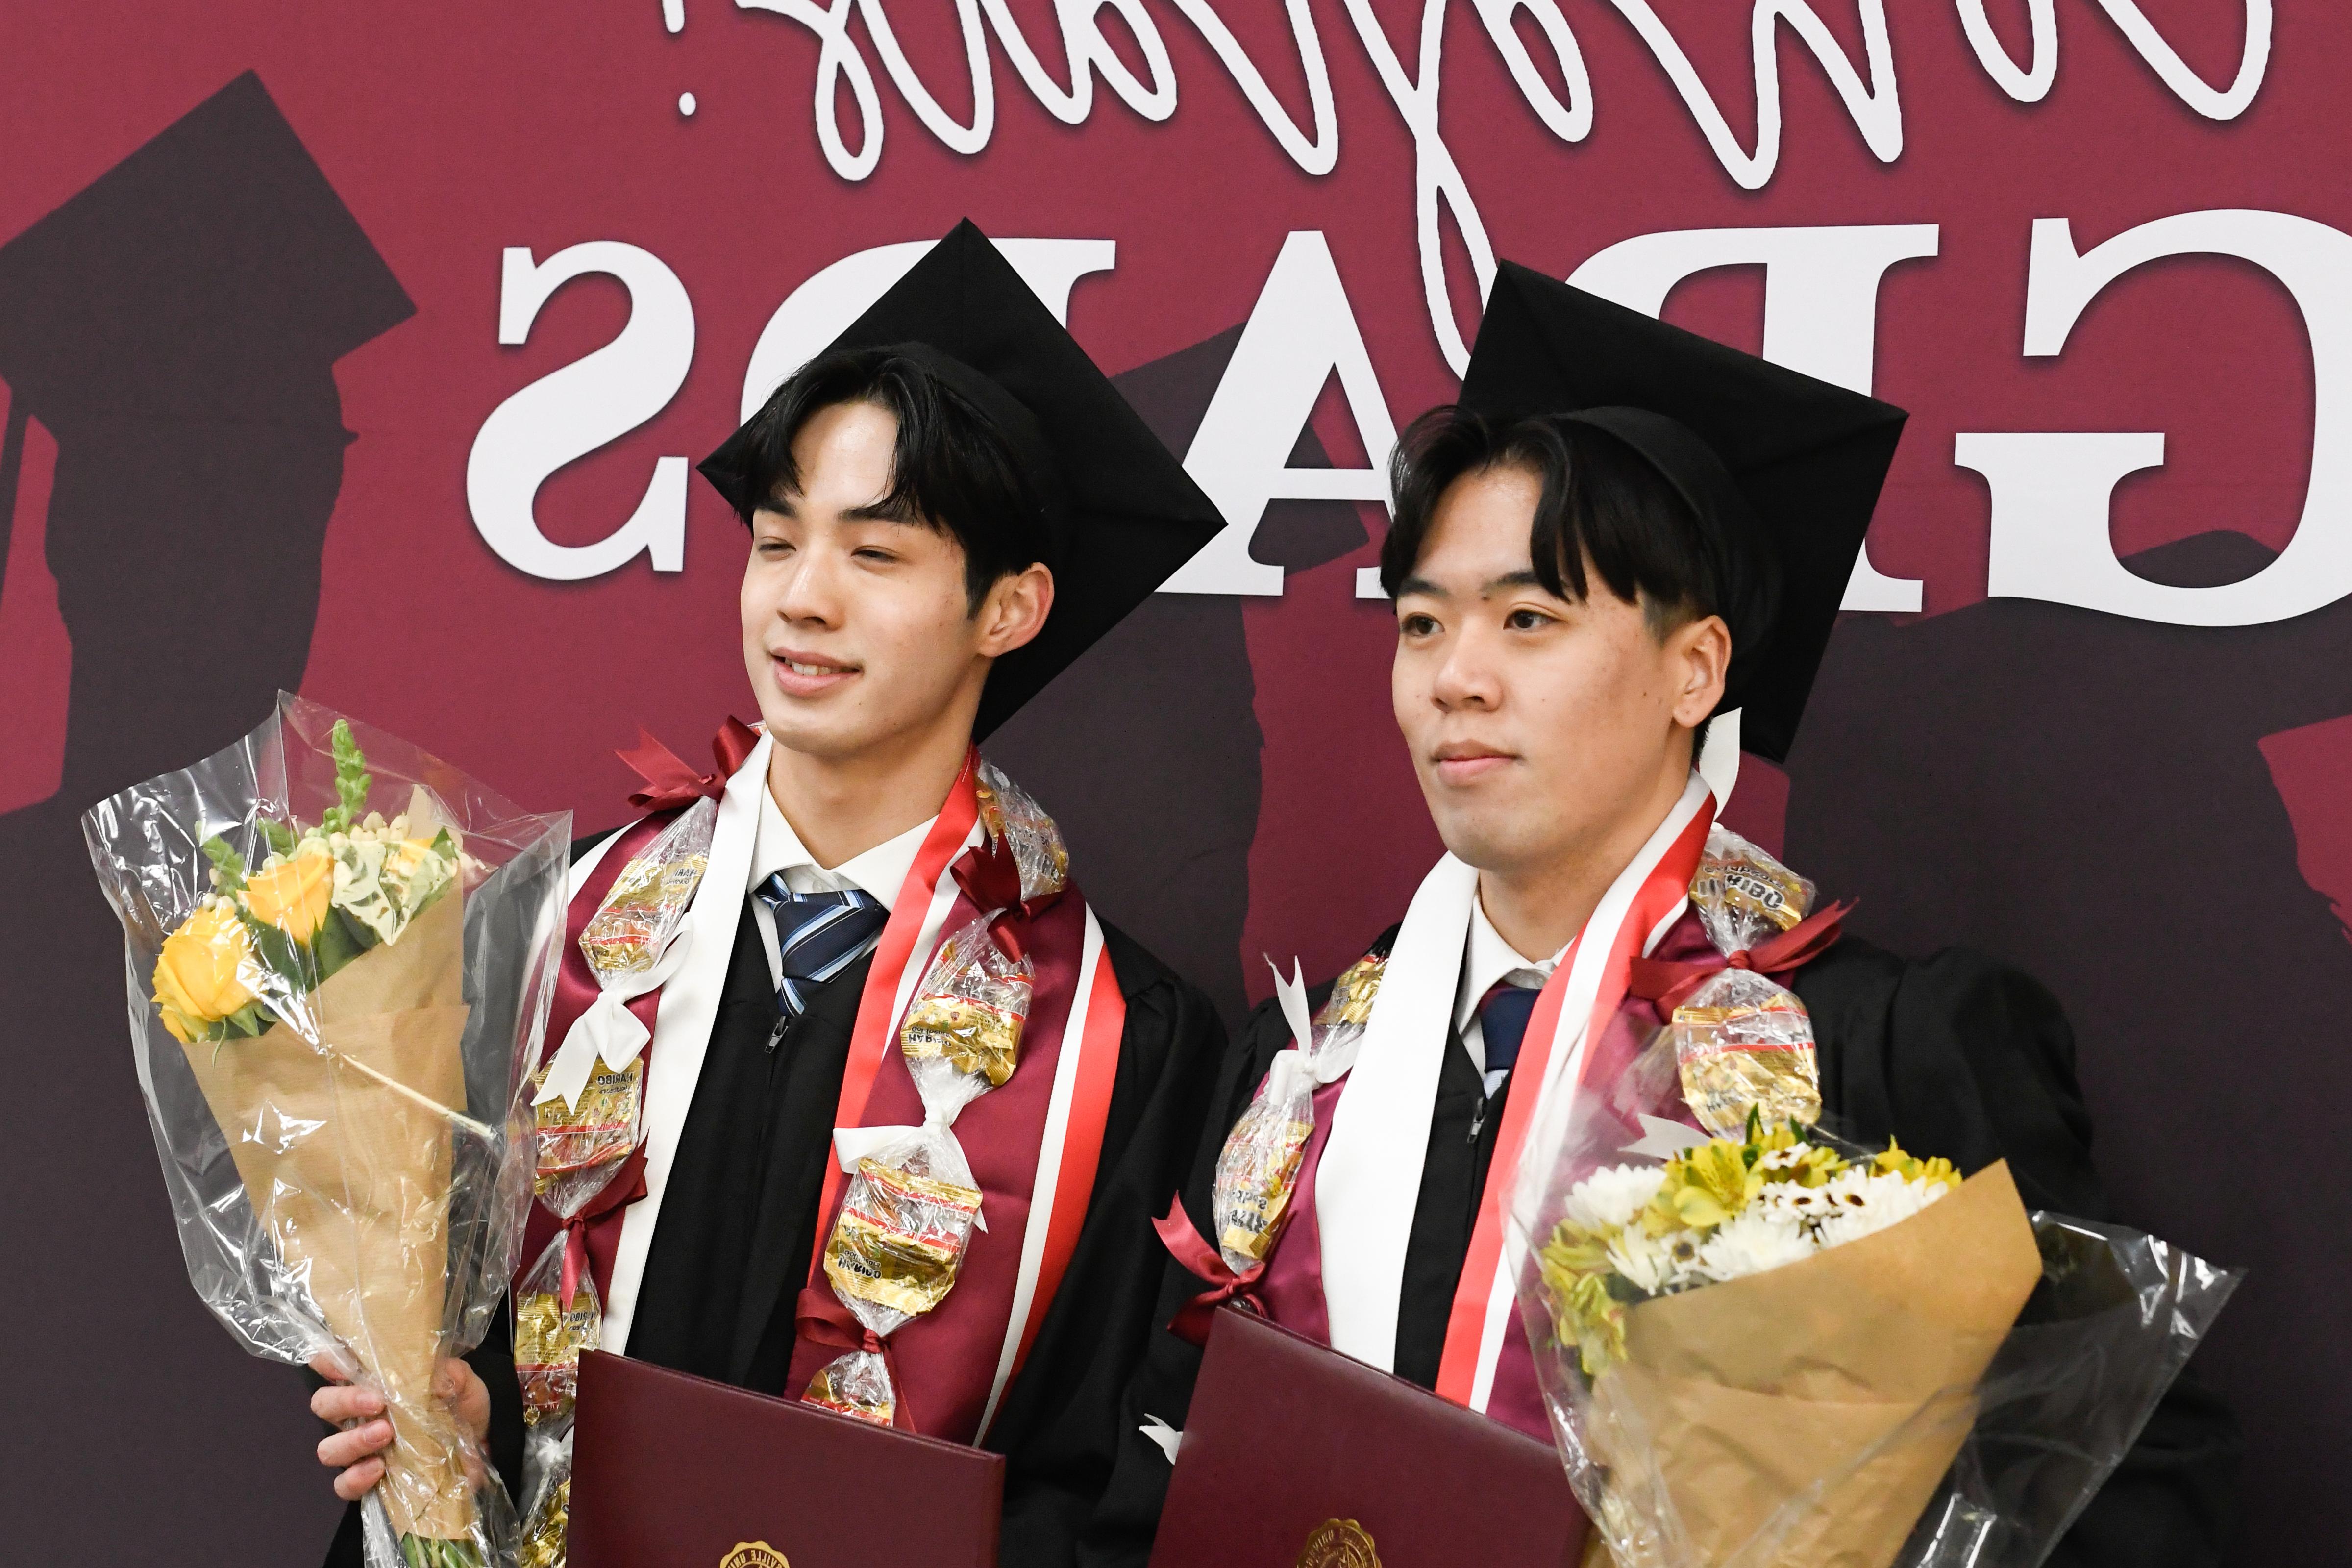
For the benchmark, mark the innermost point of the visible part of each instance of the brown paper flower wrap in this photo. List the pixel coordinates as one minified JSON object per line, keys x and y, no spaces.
{"x":1850,"y":1371}
{"x":361,"y":1205}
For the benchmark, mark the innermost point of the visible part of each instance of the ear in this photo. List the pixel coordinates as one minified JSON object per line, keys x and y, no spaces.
{"x":1698,"y":656}
{"x":1015,"y":609}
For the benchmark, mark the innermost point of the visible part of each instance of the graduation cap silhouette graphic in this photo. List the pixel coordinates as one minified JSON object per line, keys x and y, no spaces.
{"x":174,"y":326}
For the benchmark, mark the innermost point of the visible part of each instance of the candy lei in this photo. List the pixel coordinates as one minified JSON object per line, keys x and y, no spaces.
{"x":908,"y":1214}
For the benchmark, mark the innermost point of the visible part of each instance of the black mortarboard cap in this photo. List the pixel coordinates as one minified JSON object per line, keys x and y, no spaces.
{"x":1789,"y":465}
{"x":184,"y":281}
{"x":1121,"y":513}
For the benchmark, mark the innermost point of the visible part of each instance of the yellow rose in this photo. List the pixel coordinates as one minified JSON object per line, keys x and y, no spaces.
{"x":197,"y":976}
{"x":295,"y":896}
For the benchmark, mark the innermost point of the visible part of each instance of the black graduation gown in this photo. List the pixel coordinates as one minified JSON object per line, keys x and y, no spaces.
{"x":738,"y":1220}
{"x":1954,"y":1055}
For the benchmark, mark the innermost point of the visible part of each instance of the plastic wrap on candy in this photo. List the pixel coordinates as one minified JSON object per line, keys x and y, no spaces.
{"x":908,"y":1211}
{"x":340,"y":954}
{"x":1742,"y":1042}
{"x":1779,"y":1348}
{"x":1257,"y":1168}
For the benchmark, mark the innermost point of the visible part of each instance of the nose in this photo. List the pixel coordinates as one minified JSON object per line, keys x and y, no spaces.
{"x":808,"y":592}
{"x":1466,"y":676}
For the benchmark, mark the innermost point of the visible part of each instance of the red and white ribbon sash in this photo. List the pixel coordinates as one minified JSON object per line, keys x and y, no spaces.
{"x":1369,"y":1182}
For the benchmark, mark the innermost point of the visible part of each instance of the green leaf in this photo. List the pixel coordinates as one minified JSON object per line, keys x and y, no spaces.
{"x":276,"y":835}
{"x":228,"y":865}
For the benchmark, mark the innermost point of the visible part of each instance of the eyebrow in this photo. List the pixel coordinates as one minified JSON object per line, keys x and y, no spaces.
{"x":1524,"y":578}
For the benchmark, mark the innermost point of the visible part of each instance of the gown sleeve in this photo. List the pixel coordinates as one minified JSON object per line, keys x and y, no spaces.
{"x":1060,"y":1426}
{"x":1119,"y":1532}
{"x":1961,"y":1055}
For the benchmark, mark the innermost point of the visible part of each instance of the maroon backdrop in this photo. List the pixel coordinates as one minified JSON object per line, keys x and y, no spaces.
{"x":2136,"y":794}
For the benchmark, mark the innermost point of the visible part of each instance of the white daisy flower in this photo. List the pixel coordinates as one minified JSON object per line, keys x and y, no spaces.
{"x":1752,"y":1243}
{"x":1612,"y":1196}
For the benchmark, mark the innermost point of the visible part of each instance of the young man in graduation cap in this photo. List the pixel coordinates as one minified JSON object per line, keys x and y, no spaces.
{"x":1621,"y":536}
{"x":946,"y":508}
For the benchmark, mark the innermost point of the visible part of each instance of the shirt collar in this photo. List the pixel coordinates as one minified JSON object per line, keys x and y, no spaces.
{"x":1487,"y":959}
{"x":879,"y":872}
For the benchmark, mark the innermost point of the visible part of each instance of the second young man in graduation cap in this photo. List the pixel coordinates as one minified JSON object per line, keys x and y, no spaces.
{"x":946,"y":508}
{"x":1621,"y":532}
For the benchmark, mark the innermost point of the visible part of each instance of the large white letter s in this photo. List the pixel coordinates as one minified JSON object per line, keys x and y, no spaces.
{"x":569,"y":413}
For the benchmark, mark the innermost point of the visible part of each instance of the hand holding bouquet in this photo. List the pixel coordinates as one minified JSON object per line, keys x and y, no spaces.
{"x":333,"y":1011}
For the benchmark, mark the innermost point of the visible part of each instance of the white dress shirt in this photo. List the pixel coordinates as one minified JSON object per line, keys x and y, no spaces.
{"x":880,"y":871}
{"x":1487,"y":959}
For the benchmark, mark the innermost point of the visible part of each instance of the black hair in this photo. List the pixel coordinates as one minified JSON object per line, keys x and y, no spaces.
{"x":950,"y":469}
{"x":1602,"y":503}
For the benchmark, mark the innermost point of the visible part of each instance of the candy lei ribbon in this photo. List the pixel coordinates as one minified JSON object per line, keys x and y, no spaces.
{"x":1185,"y":1242}
{"x":1669,"y":984}
{"x":670,"y":783}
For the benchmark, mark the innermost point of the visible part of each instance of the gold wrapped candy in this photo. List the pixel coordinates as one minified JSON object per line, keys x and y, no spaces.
{"x":1351,"y":1001}
{"x":899,"y":1238}
{"x":970,"y":1036}
{"x":547,"y":1345}
{"x":1254,"y":1187}
{"x":601,"y":1130}
{"x":1753,"y":1054}
{"x":1743,"y":894}
{"x":847,"y":1385}
{"x":543,"y":1533}
{"x":648,"y":900}
{"x":1006,"y":812}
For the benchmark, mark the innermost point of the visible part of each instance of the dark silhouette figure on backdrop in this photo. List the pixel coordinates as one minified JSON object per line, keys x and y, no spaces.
{"x":175,"y":327}
{"x":1146,"y":751}
{"x":2084,"y":794}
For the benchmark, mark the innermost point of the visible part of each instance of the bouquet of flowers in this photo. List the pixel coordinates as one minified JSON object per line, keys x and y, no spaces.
{"x":1773,"y":1348}
{"x":333,"y":1011}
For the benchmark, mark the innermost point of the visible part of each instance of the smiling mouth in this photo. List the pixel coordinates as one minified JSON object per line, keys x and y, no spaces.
{"x":806,"y":675}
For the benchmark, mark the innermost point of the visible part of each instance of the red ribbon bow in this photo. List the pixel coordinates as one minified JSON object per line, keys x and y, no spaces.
{"x":990,"y":876}
{"x":823,"y":1319}
{"x":670,"y":783}
{"x":627,"y":1185}
{"x":1670,"y":983}
{"x":1183,"y":1241}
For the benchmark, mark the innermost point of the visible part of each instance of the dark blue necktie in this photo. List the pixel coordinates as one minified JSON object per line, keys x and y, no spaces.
{"x":1503,"y":1015}
{"x":818,"y":935}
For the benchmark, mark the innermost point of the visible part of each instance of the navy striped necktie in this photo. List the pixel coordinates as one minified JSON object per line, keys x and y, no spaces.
{"x":818,"y":935}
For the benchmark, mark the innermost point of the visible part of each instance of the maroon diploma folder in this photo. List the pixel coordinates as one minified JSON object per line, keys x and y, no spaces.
{"x":674,"y":1471}
{"x":1297,"y":1455}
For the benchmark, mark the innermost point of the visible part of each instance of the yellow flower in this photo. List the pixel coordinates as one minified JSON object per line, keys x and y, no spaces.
{"x":1911,"y":1168}
{"x":198,"y":975}
{"x":1705,"y":1187}
{"x":293,"y":896}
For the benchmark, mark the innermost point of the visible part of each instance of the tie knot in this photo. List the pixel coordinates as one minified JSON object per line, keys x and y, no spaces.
{"x":1503,"y":1015}
{"x":818,"y":935}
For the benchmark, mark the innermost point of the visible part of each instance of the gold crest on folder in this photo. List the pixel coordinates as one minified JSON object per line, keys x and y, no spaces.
{"x":1339,"y":1543}
{"x":753,"y":1554}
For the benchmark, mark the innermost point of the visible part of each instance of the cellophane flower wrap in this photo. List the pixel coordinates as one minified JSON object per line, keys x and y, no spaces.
{"x":1779,"y":1350}
{"x":340,"y":954}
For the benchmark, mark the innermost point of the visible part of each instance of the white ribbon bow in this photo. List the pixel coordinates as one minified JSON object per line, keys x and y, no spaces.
{"x":608,"y":1029}
{"x":1324,"y":1067}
